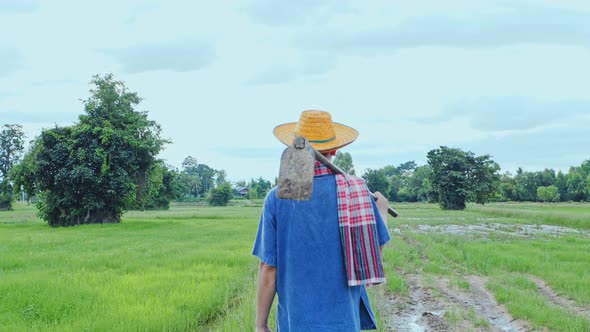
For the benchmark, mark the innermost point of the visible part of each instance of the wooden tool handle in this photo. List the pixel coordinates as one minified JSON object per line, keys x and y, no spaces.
{"x":322,"y":159}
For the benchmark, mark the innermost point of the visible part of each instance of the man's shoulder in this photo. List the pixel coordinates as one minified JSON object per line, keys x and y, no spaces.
{"x":271,"y":194}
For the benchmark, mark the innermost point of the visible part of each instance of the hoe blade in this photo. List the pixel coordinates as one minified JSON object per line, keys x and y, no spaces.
{"x":296,"y":171}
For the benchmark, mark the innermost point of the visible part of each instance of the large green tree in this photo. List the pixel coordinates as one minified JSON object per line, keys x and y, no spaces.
{"x":458,"y":177}
{"x":92,"y":171}
{"x":344,"y":161}
{"x":12,"y":140}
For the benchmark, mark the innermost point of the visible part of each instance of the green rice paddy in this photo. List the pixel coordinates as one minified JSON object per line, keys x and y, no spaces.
{"x":190,"y":268}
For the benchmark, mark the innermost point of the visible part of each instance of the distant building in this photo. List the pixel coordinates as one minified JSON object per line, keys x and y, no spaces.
{"x":242,"y":191}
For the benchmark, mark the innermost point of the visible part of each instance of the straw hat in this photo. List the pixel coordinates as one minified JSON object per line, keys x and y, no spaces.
{"x":317,"y":126}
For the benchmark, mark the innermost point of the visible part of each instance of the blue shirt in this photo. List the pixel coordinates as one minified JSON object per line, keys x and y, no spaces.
{"x":302,"y":239}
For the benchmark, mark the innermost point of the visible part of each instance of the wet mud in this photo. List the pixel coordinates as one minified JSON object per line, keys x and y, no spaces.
{"x":440,"y":307}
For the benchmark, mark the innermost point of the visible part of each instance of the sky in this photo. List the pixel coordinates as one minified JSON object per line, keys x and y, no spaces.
{"x":505,"y":78}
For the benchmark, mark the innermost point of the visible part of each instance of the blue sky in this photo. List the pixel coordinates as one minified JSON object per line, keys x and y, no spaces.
{"x":505,"y":78}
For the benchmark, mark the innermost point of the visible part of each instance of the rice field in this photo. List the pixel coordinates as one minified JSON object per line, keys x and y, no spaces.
{"x":175,"y":270}
{"x":501,"y":266}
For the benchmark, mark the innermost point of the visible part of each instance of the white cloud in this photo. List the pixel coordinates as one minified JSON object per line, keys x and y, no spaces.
{"x":557,"y":147}
{"x":178,"y":56}
{"x":508,"y":113}
{"x":512,"y":24}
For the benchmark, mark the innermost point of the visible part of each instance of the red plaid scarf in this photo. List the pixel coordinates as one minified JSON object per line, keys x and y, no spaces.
{"x":358,"y":230}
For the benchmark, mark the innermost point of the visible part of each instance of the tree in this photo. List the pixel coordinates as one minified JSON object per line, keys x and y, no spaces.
{"x":168,"y":189}
{"x":23,"y":174}
{"x":189,"y":178}
{"x":526,"y":185}
{"x":418,"y":184}
{"x":584,"y":168}
{"x":575,"y":185}
{"x":253,"y":193}
{"x":508,"y":189}
{"x":458,"y":177}
{"x":406,"y":168}
{"x":206,"y":176}
{"x":258,"y":188}
{"x":220,"y":195}
{"x":397,"y":191}
{"x":92,"y":171}
{"x":11,"y":148}
{"x":344,"y":161}
{"x":587,"y":188}
{"x":163,"y":187}
{"x":196,"y":180}
{"x":561,"y":184}
{"x":484,"y":179}
{"x":406,"y":182}
{"x":189,"y":165}
{"x":376,"y":180}
{"x":548,"y":193}
{"x":221,"y":176}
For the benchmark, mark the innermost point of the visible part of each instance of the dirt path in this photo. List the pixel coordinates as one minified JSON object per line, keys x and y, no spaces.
{"x":560,"y":300}
{"x":439,"y":307}
{"x":436,"y":305}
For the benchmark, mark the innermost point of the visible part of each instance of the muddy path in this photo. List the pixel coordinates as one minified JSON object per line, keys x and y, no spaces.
{"x":437,"y":306}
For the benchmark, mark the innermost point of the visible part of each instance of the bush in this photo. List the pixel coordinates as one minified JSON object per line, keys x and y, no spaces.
{"x":221,"y":195}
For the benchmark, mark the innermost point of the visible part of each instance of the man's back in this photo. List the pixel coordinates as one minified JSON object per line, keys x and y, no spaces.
{"x":302,"y":239}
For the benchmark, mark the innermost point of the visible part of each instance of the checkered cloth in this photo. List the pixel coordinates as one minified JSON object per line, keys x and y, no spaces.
{"x":358,"y":230}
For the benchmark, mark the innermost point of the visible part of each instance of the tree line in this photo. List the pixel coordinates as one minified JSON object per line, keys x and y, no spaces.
{"x":453,"y":177}
{"x":105,"y":163}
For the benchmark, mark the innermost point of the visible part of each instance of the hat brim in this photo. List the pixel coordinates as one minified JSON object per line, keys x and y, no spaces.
{"x":344,"y":136}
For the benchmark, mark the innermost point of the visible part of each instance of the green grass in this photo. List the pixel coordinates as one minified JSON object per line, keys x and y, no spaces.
{"x":575,"y":215}
{"x":562,"y":262}
{"x":176,"y":270}
{"x":190,"y":268}
{"x":523,"y":300}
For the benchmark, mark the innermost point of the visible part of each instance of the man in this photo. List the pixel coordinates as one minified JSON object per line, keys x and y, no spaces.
{"x":318,"y":255}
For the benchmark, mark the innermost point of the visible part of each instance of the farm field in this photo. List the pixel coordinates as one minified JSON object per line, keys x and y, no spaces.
{"x":498,"y":267}
{"x":171,"y":270}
